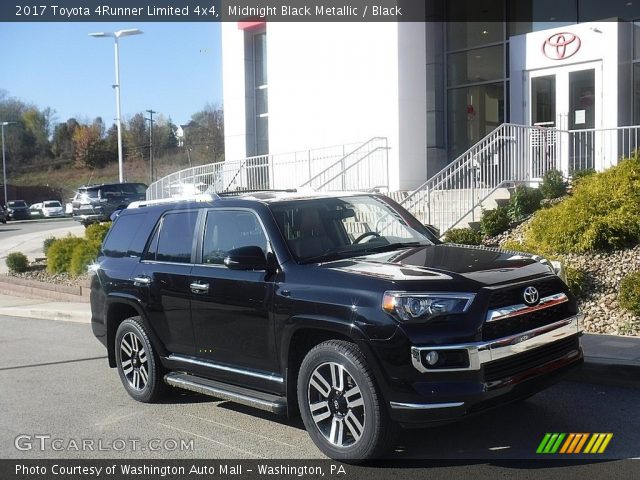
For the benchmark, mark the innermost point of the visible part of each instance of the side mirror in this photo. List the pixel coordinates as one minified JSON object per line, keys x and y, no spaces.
{"x":246,"y":258}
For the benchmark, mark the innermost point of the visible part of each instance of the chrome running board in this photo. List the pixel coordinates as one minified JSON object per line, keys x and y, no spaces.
{"x":264,"y":401}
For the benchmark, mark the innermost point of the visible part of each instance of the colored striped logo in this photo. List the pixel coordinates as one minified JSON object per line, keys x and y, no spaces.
{"x":574,"y":443}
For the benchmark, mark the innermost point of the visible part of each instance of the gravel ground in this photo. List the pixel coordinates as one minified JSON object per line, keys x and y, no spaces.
{"x":38,"y":271}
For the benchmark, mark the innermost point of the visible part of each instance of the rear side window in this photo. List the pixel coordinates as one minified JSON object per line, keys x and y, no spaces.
{"x":123,"y":236}
{"x":173,"y":241}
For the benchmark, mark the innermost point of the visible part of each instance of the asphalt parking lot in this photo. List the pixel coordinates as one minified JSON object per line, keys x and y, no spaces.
{"x":57,"y":383}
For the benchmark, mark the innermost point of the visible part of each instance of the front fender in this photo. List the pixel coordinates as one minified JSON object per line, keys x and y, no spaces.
{"x":326,"y":325}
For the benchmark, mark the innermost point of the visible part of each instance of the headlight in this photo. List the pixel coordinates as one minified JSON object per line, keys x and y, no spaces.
{"x":407,"y":306}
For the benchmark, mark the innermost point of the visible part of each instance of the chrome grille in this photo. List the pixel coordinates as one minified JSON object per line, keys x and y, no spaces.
{"x":512,"y":295}
{"x":525,"y":322}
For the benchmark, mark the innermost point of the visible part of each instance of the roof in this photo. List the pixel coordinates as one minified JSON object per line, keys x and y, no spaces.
{"x":261,"y":196}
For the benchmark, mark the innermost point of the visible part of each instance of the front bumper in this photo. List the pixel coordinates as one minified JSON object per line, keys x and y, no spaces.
{"x":499,"y":371}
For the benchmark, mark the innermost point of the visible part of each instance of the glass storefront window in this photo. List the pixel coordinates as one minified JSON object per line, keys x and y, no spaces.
{"x":478,"y":65}
{"x":591,"y":10}
{"x":636,"y":93}
{"x":475,"y":23}
{"x":472,"y":113}
{"x":527,"y":16}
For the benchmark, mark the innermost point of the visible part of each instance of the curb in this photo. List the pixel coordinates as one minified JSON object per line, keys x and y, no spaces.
{"x":607,"y":371}
{"x":40,"y":314}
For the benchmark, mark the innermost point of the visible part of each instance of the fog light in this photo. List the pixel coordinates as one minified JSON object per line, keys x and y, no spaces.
{"x":432,"y":358}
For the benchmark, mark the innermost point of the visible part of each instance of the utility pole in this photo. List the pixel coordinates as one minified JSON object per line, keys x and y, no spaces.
{"x":150,"y":112}
{"x":4,"y":162}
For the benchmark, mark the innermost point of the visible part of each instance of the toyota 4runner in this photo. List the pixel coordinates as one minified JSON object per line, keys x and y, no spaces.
{"x":342,"y":308}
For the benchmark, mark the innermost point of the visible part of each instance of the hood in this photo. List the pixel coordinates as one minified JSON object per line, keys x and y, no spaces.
{"x":486,"y":266}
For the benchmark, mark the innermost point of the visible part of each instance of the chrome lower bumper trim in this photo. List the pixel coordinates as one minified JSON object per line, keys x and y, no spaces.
{"x":423,"y":406}
{"x":483,"y":352}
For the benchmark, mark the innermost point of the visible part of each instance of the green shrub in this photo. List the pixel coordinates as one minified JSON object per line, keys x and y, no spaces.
{"x":553,"y":185}
{"x":576,"y":280}
{"x":97,"y":231}
{"x":524,"y":201}
{"x":60,"y":252}
{"x":629,"y":295}
{"x":463,"y":236}
{"x":17,"y":262}
{"x":84,"y":253}
{"x":47,"y":243}
{"x":602,"y":213}
{"x":494,"y":222}
{"x":578,"y":175}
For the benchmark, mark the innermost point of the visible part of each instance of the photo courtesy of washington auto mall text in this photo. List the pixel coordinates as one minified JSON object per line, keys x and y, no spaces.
{"x":320,"y":239}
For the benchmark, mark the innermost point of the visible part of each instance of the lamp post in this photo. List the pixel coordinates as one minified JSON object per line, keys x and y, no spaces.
{"x":150,"y":119}
{"x":116,"y":36}
{"x":4,"y":163}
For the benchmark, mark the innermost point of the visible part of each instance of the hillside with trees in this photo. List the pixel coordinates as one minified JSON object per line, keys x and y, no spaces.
{"x":42,"y":150}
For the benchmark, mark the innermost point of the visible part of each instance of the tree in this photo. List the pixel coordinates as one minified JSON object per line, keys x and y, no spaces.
{"x":62,"y":145}
{"x":206,"y":132}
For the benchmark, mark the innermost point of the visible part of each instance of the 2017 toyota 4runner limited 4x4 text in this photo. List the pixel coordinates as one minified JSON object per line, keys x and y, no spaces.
{"x":342,"y":308}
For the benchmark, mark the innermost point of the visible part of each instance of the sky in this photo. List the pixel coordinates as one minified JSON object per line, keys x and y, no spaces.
{"x":173,"y":68}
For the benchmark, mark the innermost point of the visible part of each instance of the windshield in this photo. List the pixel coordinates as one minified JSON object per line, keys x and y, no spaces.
{"x":342,"y":227}
{"x":52,"y":204}
{"x":17,"y":203}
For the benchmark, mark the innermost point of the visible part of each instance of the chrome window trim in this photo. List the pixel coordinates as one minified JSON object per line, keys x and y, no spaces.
{"x":522,"y":309}
{"x":484,"y":352}
{"x":250,"y":373}
{"x":423,"y":406}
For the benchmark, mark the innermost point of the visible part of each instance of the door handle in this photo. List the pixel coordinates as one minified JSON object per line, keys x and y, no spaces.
{"x":197,"y":287}
{"x":141,"y":281}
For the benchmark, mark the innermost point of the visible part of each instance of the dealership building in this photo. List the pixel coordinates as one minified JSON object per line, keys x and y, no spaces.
{"x":432,"y":89}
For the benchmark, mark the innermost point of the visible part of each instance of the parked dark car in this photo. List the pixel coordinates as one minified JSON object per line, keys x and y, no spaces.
{"x":3,"y":216}
{"x":96,"y":203}
{"x":17,"y":210}
{"x":341,"y":308}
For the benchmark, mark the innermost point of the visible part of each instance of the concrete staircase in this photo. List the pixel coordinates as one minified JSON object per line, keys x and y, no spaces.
{"x":451,"y":201}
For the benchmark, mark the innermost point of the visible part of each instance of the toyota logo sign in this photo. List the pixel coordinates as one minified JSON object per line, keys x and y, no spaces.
{"x":531,"y":296}
{"x":561,"y":45}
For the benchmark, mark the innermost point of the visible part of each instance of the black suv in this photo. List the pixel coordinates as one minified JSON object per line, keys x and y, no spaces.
{"x":18,"y":210}
{"x":342,"y":308}
{"x":96,"y":203}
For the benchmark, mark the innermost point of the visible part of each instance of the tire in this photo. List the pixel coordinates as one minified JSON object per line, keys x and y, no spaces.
{"x":345,"y":426}
{"x":142,"y":374}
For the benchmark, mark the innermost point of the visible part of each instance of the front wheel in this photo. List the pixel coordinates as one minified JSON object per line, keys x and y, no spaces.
{"x":138,"y":364}
{"x":340,"y":405}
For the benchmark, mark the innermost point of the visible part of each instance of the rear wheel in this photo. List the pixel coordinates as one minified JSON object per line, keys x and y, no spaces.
{"x":340,"y":405}
{"x":138,"y":364}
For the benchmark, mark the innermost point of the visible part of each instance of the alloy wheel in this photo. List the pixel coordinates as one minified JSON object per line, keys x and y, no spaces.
{"x":336,"y":404}
{"x":133,"y":359}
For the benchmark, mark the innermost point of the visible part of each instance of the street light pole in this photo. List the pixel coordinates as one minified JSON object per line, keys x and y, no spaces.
{"x":4,"y":162}
{"x":116,"y":36}
{"x":151,"y":112}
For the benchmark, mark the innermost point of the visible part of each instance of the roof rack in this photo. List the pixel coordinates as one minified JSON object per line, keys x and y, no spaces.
{"x":231,"y":193}
{"x":201,"y":198}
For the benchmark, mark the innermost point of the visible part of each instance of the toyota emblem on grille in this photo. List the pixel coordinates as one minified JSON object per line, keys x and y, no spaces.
{"x":531,"y":296}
